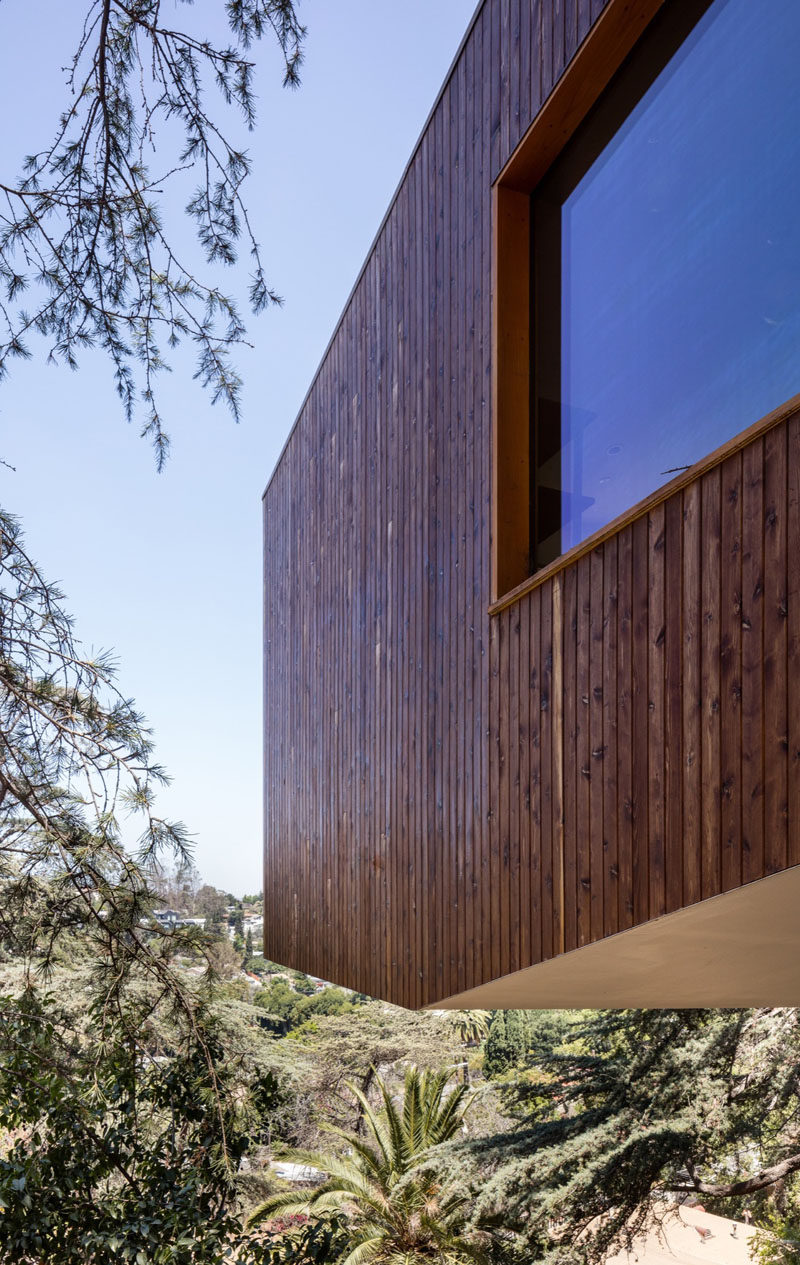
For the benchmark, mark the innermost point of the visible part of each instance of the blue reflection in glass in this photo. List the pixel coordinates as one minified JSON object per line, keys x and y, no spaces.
{"x":680,"y":266}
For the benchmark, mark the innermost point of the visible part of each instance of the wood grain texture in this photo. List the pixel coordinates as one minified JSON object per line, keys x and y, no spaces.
{"x":731,"y":673}
{"x":452,"y":794}
{"x":710,"y":646}
{"x":793,"y":642}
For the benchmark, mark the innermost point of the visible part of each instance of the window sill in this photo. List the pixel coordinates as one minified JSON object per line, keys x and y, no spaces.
{"x":661,"y":494}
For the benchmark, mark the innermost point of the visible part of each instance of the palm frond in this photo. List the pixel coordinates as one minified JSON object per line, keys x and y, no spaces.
{"x":365,"y":1251}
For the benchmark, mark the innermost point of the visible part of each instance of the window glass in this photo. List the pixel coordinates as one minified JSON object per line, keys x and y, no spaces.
{"x":666,"y":249}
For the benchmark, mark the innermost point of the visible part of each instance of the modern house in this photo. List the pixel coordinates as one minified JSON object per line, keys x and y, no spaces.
{"x":532,"y":549}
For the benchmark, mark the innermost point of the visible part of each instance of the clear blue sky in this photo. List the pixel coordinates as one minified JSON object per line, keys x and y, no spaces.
{"x":166,"y":569}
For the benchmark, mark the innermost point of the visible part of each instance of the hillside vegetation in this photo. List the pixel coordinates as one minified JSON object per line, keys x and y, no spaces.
{"x":302,"y":1137}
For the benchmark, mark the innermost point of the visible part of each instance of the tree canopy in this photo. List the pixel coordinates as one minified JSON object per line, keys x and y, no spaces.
{"x":394,"y":1210}
{"x":636,"y":1105}
{"x":122,"y":1122}
{"x":85,"y":257}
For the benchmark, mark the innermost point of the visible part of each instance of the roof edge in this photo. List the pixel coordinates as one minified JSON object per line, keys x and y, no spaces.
{"x":371,"y":250}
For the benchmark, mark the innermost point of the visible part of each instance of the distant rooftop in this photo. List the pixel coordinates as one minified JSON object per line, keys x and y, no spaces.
{"x":691,"y":1236}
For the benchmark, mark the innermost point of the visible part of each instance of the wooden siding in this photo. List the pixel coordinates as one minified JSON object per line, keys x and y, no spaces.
{"x":451,"y":795}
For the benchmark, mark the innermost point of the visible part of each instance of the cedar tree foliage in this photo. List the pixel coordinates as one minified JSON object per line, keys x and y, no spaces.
{"x":85,"y":260}
{"x":635,"y":1108}
{"x":121,"y":1129}
{"x":122,"y":1118}
{"x":75,"y":757}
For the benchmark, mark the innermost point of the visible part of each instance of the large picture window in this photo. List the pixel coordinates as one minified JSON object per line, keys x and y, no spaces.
{"x":665,"y":262}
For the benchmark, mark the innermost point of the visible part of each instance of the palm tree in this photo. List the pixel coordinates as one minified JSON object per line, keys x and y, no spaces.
{"x":397,"y":1211}
{"x":472,"y":1026}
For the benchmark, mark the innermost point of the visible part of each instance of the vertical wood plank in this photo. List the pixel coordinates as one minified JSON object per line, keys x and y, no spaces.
{"x":673,"y":693}
{"x":414,"y":533}
{"x":451,"y":577}
{"x":558,"y":640}
{"x":480,"y":548}
{"x":502,"y":928}
{"x":571,"y":765}
{"x":535,"y":57}
{"x":528,"y":902}
{"x":583,"y":753}
{"x":428,"y":678}
{"x":514,"y":779}
{"x":515,"y":86}
{"x":776,"y":719}
{"x":533,"y":666}
{"x":597,"y":744}
{"x":525,"y":73}
{"x":656,"y":636}
{"x":485,"y":309}
{"x":793,"y":640}
{"x":399,"y":772}
{"x":752,"y":661}
{"x":370,"y":967}
{"x":611,"y":682}
{"x":506,"y":73}
{"x":710,"y":683}
{"x":584,"y":18}
{"x":548,"y":808}
{"x":494,"y":83}
{"x":571,"y":21}
{"x":546,"y":54}
{"x":559,"y":35}
{"x":495,"y":773}
{"x":469,"y":518}
{"x":731,"y":673}
{"x":625,"y":792}
{"x":440,"y":858}
{"x":407,"y":566}
{"x":692,"y":695}
{"x":640,"y":719}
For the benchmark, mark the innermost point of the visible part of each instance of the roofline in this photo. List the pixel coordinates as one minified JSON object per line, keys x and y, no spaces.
{"x":376,"y":238}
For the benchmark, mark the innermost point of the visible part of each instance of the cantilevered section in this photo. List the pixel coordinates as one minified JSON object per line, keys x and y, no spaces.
{"x":736,"y":949}
{"x":583,"y":789}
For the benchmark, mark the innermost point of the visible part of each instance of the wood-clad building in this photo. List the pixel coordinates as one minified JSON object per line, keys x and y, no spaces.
{"x":532,"y":549}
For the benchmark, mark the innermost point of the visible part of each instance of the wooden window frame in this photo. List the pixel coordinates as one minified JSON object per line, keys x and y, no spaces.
{"x":610,"y":40}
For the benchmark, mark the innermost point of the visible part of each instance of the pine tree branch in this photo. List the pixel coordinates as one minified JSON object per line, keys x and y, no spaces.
{"x":748,"y":1185}
{"x":82,"y":232}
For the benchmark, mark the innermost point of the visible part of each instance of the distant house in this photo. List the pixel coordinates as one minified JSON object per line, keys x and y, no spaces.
{"x":167,"y":918}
